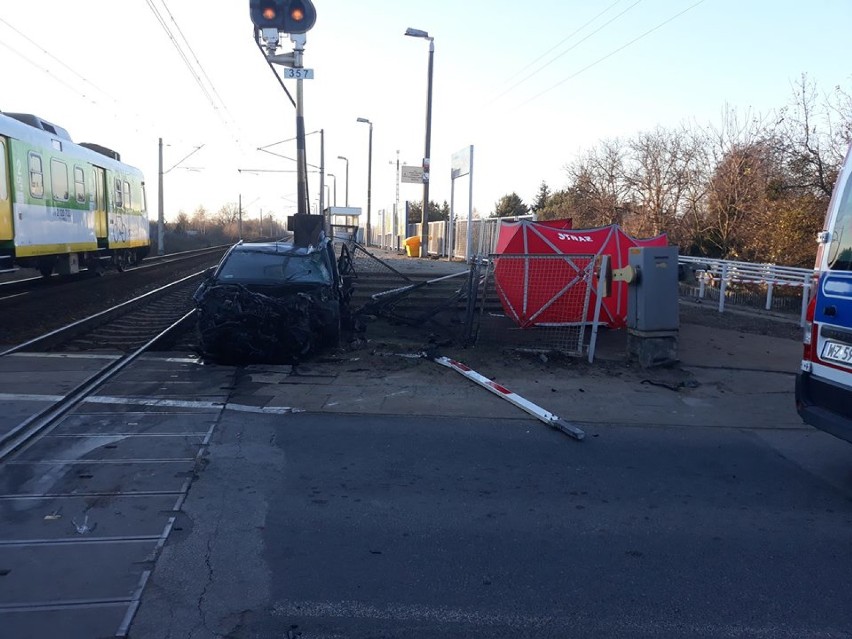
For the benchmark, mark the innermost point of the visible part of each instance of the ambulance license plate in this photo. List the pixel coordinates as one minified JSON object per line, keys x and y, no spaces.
{"x":836,"y":352}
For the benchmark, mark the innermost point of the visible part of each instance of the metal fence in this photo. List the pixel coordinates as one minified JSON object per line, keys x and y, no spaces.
{"x":443,"y":242}
{"x":718,"y":280}
{"x":773,"y":287}
{"x":541,"y":303}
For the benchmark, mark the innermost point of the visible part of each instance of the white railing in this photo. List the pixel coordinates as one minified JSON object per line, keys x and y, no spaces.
{"x":722,"y":273}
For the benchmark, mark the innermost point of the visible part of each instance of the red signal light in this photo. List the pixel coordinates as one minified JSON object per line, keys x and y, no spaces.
{"x":297,"y":14}
{"x":269,"y":13}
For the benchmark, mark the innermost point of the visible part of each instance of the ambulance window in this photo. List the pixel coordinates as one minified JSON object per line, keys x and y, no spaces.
{"x":840,"y":251}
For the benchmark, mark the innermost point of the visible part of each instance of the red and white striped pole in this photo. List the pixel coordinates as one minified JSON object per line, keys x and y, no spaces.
{"x":501,"y":391}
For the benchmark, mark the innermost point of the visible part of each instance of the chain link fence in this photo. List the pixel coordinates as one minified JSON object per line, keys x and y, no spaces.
{"x":538,"y":302}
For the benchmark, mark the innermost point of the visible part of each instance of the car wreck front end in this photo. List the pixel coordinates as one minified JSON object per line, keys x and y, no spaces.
{"x":270,"y":303}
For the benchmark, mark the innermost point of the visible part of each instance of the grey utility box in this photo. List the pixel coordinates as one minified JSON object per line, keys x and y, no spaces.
{"x":652,"y":306}
{"x":652,"y":300}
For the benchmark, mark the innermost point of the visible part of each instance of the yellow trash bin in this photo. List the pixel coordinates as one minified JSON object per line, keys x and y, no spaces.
{"x":412,"y":246}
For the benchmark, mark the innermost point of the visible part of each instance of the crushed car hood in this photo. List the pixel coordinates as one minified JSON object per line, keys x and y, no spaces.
{"x":238,"y":325}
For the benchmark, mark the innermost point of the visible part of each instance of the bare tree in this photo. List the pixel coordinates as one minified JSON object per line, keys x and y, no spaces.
{"x":199,"y":221}
{"x":814,"y":134}
{"x":597,"y":185}
{"x":659,"y":177}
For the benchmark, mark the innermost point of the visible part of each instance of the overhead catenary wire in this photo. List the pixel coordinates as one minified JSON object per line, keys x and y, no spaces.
{"x":208,"y":93}
{"x":57,"y":60}
{"x":561,"y":42}
{"x":158,"y":16}
{"x":613,"y":52}
{"x":49,"y":72}
{"x":132,"y":117}
{"x":204,"y":73}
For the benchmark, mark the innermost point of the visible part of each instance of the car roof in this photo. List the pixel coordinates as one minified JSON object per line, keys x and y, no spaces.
{"x":279,"y":248}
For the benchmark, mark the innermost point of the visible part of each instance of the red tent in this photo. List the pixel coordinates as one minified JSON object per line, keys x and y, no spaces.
{"x":545,"y":290}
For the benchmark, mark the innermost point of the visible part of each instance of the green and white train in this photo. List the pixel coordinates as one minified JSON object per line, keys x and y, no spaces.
{"x":66,"y":206}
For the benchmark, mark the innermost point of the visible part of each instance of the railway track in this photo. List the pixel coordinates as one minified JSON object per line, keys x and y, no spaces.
{"x":33,"y":313}
{"x":124,"y":327}
{"x":13,"y":285}
{"x":92,"y":482}
{"x":122,"y":333}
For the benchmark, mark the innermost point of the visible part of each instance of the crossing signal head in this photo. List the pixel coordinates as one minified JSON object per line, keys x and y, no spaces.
{"x":288,"y":16}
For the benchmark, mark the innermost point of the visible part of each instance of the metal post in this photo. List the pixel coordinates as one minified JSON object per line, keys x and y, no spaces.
{"x":301,"y":155}
{"x":396,"y":243}
{"x":769,"y":287}
{"x":599,"y":295}
{"x":160,"y":214}
{"x":322,"y":179}
{"x":469,"y":248}
{"x":723,"y":285}
{"x":450,"y":233}
{"x":346,"y":197}
{"x":368,"y":233}
{"x":369,"y":185}
{"x":424,"y":240}
{"x":333,"y":197}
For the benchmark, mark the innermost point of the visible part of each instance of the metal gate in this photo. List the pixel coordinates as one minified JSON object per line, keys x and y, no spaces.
{"x":541,"y":303}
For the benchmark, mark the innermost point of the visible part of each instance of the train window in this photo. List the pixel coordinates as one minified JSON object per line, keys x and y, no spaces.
{"x":59,"y":179}
{"x":4,"y":190}
{"x":127,"y":198}
{"x":36,"y":176}
{"x":144,"y":199}
{"x":119,"y":203}
{"x":80,"y":184}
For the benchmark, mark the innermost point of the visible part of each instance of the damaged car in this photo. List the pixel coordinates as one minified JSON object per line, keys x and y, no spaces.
{"x":273,"y":302}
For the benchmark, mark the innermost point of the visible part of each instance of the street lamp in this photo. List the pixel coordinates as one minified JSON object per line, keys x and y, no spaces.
{"x":424,"y":240}
{"x":369,"y":175}
{"x":340,"y":157}
{"x":334,"y":191}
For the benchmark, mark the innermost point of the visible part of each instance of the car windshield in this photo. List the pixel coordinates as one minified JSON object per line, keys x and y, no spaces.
{"x":275,"y":268}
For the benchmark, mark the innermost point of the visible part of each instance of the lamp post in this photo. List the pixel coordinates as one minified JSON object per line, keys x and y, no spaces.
{"x":369,"y":176}
{"x":340,"y":157}
{"x":424,"y":240}
{"x":334,"y":189}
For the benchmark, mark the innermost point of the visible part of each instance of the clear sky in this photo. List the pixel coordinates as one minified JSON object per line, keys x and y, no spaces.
{"x":528,"y":84}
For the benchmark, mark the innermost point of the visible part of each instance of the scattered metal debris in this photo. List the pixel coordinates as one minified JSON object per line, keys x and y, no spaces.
{"x":84,"y":528}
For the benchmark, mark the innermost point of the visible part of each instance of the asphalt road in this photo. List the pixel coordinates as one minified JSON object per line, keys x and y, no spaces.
{"x":334,"y":525}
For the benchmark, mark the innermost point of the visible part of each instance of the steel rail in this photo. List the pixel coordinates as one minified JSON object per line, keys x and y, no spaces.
{"x":28,"y":283}
{"x":97,"y":317}
{"x":31,"y":428}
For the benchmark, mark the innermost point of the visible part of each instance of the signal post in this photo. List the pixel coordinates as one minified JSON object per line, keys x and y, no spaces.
{"x":294,"y":18}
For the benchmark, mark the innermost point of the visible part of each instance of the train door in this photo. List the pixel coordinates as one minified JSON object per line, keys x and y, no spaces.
{"x":6,"y":230}
{"x":100,"y":204}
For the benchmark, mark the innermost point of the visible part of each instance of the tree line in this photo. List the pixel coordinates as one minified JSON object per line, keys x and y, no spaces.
{"x":752,"y":188}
